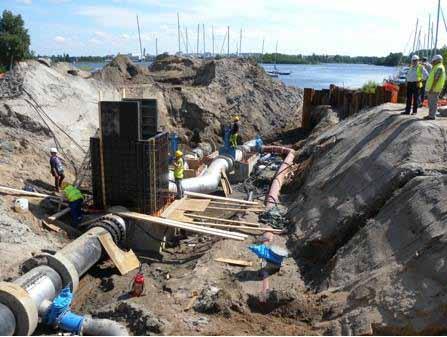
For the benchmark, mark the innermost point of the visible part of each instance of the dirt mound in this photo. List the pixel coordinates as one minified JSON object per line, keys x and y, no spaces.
{"x":370,"y":222}
{"x":121,"y":70}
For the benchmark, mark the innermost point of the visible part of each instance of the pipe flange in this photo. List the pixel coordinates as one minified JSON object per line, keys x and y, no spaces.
{"x":120,"y":224}
{"x":23,"y":307}
{"x":110,"y":227}
{"x":64,"y":268}
{"x":229,"y":160}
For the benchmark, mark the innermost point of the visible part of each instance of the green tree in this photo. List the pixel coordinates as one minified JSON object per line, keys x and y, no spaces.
{"x":14,"y":39}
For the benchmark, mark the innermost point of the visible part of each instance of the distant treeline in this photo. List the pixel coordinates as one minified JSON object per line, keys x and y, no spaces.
{"x":71,"y":59}
{"x":393,"y":59}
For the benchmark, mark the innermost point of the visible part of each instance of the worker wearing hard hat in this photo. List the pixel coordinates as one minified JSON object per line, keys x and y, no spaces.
{"x":434,"y":86}
{"x":234,"y":133}
{"x":415,"y":75}
{"x":178,"y":173}
{"x":428,"y":67}
{"x":57,"y":169}
{"x":75,"y":201}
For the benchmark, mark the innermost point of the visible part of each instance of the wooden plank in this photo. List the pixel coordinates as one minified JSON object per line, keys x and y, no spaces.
{"x":182,"y":225}
{"x":59,"y":214}
{"x":212,"y":203}
{"x":227,"y":182}
{"x":259,"y":229}
{"x":225,"y":187}
{"x":254,"y":210}
{"x":253,"y":224}
{"x":51,"y":226}
{"x":179,"y":215}
{"x":9,"y":190}
{"x":198,"y":205}
{"x":171,"y":208}
{"x":241,"y":263}
{"x":124,"y":261}
{"x":215,"y":197}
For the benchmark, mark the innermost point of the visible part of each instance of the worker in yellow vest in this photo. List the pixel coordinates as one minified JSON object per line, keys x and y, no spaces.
{"x":178,"y":173}
{"x":434,"y":86}
{"x":415,"y":75}
{"x":75,"y":201}
{"x":234,"y":133}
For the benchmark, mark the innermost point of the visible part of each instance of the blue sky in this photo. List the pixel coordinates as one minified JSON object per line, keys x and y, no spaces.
{"x":348,"y":27}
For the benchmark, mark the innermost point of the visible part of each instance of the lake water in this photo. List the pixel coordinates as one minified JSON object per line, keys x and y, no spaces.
{"x":319,"y":76}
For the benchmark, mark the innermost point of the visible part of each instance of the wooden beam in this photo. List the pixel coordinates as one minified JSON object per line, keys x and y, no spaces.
{"x":9,"y":190}
{"x":182,"y":225}
{"x":215,"y":197}
{"x":259,"y":229}
{"x":234,"y":262}
{"x":255,"y":210}
{"x":233,"y":204}
{"x":254,"y":224}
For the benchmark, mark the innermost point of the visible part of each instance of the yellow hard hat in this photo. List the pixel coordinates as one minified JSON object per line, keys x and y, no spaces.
{"x":236,"y":118}
{"x":178,"y":153}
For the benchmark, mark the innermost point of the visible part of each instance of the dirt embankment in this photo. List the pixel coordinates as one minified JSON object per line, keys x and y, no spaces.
{"x":206,"y":94}
{"x":370,"y":226}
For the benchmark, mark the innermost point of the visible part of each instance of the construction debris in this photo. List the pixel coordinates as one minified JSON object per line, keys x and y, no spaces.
{"x":234,"y":262}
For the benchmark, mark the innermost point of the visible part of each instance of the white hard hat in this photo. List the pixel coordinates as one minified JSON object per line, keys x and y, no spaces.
{"x":415,"y":58}
{"x":53,"y":150}
{"x":437,"y":58}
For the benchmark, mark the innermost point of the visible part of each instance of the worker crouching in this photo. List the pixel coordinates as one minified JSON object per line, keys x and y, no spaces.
{"x":178,"y":173}
{"x":75,"y":201}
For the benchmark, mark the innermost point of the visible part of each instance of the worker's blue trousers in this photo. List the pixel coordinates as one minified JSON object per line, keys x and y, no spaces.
{"x":76,"y":211}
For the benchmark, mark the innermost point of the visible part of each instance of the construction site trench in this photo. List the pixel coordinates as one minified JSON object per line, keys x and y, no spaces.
{"x":356,"y":203}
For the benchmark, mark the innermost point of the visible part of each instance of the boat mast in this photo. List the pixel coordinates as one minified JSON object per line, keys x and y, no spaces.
{"x":437,"y":27}
{"x":228,"y":41}
{"x":139,"y":37}
{"x":212,"y":33}
{"x":198,"y":32}
{"x":240,"y":43}
{"x":178,"y":33}
{"x":415,"y":34}
{"x":203,"y":31}
{"x":187,"y":41}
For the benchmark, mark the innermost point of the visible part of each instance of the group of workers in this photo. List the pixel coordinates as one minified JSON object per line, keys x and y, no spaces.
{"x":425,"y":79}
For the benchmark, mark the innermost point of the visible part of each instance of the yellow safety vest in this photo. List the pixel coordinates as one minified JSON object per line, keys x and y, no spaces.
{"x":72,"y":193}
{"x":233,"y":140}
{"x":431,"y":78}
{"x":178,"y":169}
{"x":418,"y":74}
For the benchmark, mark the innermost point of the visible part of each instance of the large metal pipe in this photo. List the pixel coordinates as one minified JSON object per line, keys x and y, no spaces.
{"x":102,"y":327}
{"x":30,"y":295}
{"x":7,"y":321}
{"x":85,"y":251}
{"x":209,"y":181}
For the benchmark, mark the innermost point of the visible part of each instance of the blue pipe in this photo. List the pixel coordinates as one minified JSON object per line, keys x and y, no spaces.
{"x":71,"y":322}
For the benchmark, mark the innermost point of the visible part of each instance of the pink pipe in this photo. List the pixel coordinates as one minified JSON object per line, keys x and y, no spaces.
{"x":272,"y":197}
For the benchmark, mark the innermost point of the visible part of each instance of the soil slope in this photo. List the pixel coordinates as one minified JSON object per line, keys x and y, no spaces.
{"x":370,"y":222}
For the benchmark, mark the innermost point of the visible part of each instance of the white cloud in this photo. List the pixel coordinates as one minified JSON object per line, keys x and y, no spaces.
{"x":59,"y":39}
{"x":25,"y":2}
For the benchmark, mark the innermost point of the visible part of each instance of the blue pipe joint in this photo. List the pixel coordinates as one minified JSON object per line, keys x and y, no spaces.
{"x":70,"y":322}
{"x":259,"y":143}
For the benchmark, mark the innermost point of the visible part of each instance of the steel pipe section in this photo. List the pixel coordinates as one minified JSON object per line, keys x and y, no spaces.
{"x":209,"y":181}
{"x":30,"y":295}
{"x":102,"y":327}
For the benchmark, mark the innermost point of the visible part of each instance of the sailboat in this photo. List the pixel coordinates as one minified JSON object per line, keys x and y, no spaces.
{"x":275,"y":72}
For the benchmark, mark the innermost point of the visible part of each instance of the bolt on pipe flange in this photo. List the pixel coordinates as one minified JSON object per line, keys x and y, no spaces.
{"x":22,"y":305}
{"x":63,"y":267}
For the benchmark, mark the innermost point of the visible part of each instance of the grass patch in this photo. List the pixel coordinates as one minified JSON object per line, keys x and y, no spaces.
{"x":369,"y":87}
{"x":85,"y":68}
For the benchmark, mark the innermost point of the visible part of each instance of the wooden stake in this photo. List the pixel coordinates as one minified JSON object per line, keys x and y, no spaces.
{"x":9,"y":190}
{"x":234,"y":262}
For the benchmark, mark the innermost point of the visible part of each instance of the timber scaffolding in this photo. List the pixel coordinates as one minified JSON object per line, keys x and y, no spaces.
{"x":346,"y":101}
